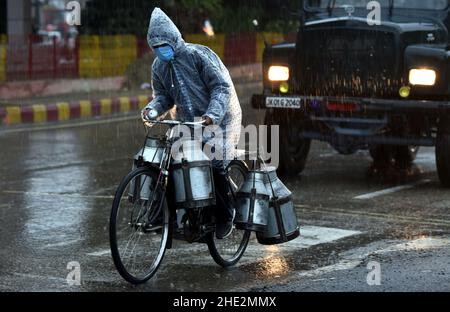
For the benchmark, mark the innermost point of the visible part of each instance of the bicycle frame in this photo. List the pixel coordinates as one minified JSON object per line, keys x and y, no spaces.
{"x":195,"y":215}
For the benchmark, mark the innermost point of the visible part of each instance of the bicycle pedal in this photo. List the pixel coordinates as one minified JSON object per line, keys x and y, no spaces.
{"x":153,"y":228}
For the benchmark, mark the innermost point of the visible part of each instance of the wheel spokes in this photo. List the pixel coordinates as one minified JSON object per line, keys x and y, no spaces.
{"x":140,"y":244}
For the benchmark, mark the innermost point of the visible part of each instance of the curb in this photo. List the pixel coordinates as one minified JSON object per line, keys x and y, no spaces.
{"x":63,"y":111}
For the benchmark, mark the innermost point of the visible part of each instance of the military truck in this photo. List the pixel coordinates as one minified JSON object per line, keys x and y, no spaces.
{"x":362,"y":75}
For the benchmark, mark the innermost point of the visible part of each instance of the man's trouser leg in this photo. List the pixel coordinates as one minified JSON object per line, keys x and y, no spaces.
{"x":224,"y":209}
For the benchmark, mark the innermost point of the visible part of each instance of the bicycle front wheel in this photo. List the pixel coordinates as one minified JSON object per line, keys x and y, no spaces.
{"x":228,"y":251}
{"x":139,"y":225}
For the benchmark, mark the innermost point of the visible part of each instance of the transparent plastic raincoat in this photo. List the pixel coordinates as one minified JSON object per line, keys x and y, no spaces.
{"x":197,"y":82}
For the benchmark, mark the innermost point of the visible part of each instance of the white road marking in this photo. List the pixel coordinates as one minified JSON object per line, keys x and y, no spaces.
{"x":423,"y":243}
{"x":326,"y":155}
{"x":341,"y":265}
{"x":392,"y":190}
{"x":60,"y":244}
{"x":309,"y":236}
{"x":99,"y":253}
{"x":358,"y":256}
{"x":315,"y":235}
{"x":58,"y":194}
{"x":41,"y":277}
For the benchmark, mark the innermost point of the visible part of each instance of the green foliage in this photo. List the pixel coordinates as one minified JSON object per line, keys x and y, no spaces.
{"x":283,"y":26}
{"x":131,"y":16}
{"x":237,"y":18}
{"x":201,"y":5}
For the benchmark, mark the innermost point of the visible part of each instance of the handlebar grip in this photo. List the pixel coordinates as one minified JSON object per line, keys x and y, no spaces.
{"x":152,"y":114}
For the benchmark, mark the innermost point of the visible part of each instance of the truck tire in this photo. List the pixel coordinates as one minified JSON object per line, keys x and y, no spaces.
{"x":293,"y":150}
{"x":443,"y":152}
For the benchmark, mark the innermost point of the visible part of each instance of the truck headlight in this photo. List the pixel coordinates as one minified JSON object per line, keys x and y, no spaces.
{"x":279,"y":73}
{"x":422,"y":77}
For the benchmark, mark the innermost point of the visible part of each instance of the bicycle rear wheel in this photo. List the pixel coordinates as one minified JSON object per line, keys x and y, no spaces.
{"x":228,"y":251}
{"x":139,"y":225}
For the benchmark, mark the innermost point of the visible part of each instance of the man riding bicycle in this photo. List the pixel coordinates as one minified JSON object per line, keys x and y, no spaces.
{"x":193,"y":78}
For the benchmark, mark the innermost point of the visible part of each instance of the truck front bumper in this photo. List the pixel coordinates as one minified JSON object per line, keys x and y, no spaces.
{"x":312,"y":104}
{"x":356,"y":121}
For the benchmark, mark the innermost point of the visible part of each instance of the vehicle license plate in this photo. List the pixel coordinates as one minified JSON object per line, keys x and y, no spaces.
{"x":284,"y":102}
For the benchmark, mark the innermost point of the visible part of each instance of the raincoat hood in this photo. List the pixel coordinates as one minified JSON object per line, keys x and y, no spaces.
{"x":163,"y":31}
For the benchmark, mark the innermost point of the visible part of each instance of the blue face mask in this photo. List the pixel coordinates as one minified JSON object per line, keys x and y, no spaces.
{"x":165,"y":53}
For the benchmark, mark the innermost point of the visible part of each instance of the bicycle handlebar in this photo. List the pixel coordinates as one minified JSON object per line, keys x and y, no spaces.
{"x":175,"y":122}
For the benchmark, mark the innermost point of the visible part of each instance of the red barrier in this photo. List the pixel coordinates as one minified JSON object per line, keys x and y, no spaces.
{"x":2,"y":115}
{"x":290,"y":37}
{"x":96,"y":108}
{"x":115,"y":105}
{"x":18,"y":59}
{"x":142,"y":47}
{"x":75,"y":110}
{"x":52,"y":112}
{"x":240,"y":49}
{"x":134,"y":103}
{"x":36,"y":58}
{"x":27,"y":114}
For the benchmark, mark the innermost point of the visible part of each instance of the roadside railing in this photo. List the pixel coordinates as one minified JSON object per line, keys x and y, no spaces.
{"x":37,"y":57}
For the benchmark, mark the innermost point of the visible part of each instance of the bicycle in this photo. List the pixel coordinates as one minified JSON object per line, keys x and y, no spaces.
{"x":145,"y":216}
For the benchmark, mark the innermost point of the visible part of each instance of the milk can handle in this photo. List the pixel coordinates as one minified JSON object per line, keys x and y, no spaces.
{"x":277,"y":208}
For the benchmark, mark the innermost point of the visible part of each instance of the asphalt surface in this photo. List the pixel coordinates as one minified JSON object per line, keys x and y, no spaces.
{"x":56,"y":190}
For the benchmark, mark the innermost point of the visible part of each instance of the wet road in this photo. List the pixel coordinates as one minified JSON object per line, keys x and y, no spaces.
{"x":56,"y":191}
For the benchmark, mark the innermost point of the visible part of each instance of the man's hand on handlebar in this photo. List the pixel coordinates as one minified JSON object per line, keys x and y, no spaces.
{"x":150,"y":118}
{"x":207,"y":121}
{"x":147,"y":115}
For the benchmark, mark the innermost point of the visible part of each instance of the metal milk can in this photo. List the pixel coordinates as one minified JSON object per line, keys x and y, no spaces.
{"x":192,"y":177}
{"x":282,"y":225}
{"x":151,"y":153}
{"x":252,"y":203}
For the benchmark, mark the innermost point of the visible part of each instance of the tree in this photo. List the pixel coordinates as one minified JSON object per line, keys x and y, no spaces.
{"x":131,"y":16}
